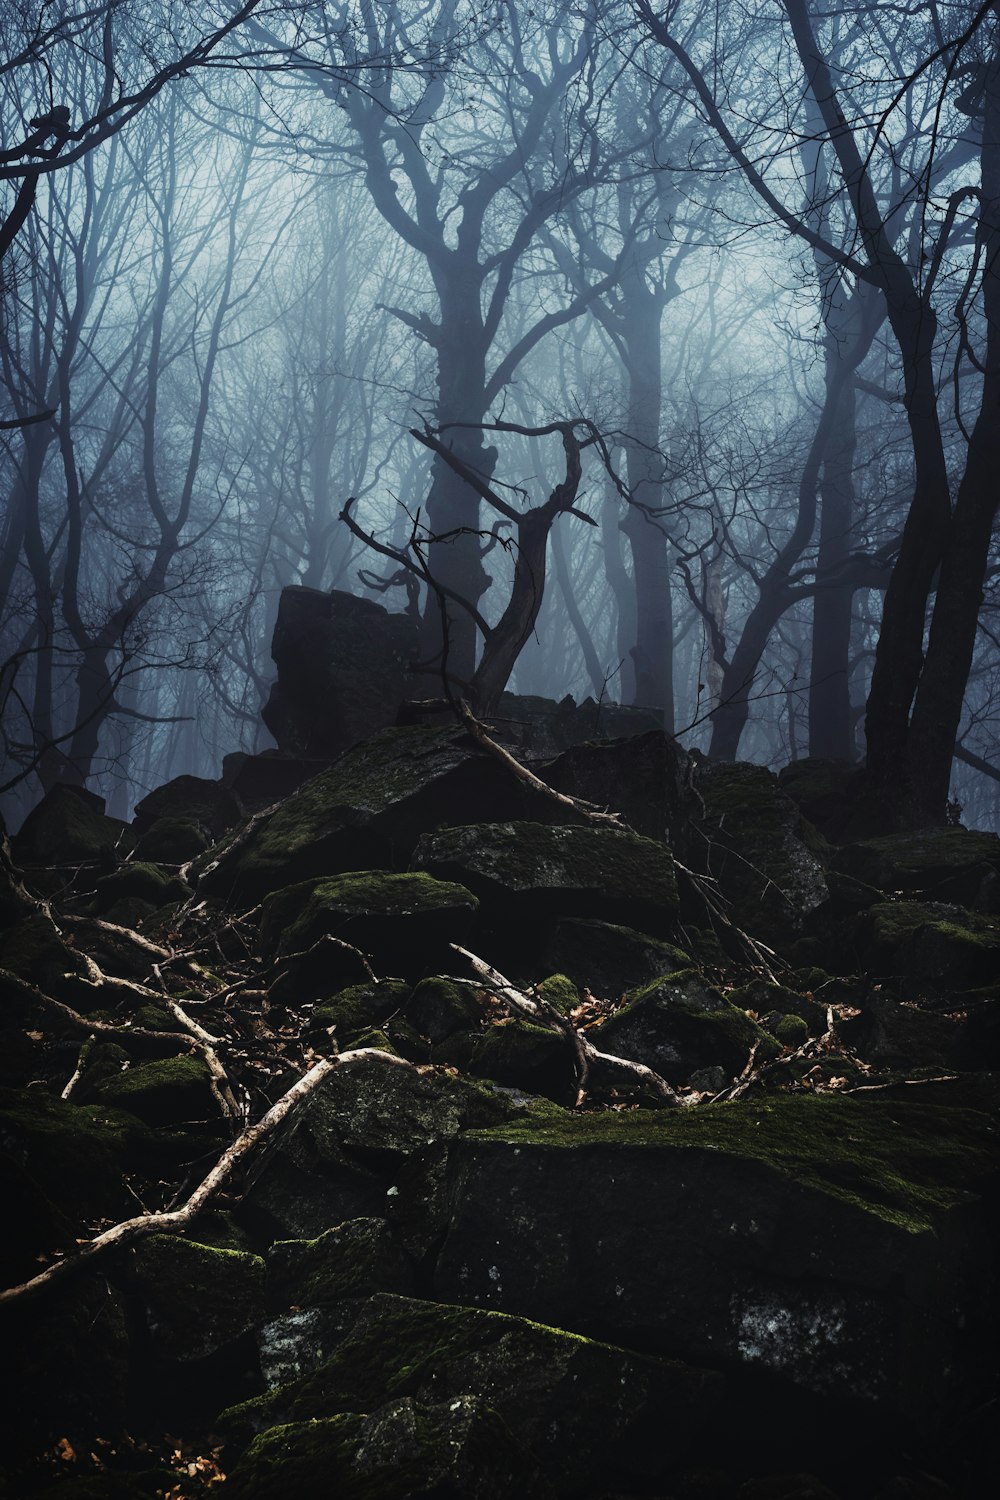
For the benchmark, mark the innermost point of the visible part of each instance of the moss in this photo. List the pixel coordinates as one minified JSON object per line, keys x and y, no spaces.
{"x":924,"y":860}
{"x":901,"y":1162}
{"x":362,"y":1006}
{"x":361,"y":904}
{"x":140,"y":881}
{"x":354,"y":1259}
{"x":940,"y":945}
{"x":528,"y":1057}
{"x":198,"y":1297}
{"x":374,"y":1038}
{"x":609,"y":867}
{"x":440,"y":1006}
{"x":164,"y":1091}
{"x":308,"y":1460}
{"x":69,"y":827}
{"x":560,"y":991}
{"x":173,"y":840}
{"x":791,"y":1031}
{"x":33,"y":949}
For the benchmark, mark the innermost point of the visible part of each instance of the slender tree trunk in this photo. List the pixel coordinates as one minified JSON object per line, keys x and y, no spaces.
{"x":830,"y":729}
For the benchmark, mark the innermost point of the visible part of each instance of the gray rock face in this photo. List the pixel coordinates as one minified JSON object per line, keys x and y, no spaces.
{"x":343,"y":670}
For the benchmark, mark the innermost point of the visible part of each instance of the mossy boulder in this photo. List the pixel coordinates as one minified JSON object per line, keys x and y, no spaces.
{"x":826,"y":792}
{"x":409,"y":918}
{"x":790,"y":1030}
{"x":524,"y":1056}
{"x":406,"y":1447}
{"x":679,"y":1025}
{"x":368,"y":811}
{"x":208,"y":804}
{"x":529,"y":873}
{"x":354,"y":1259}
{"x":767,"y":859}
{"x":381,"y":1106}
{"x":161,"y":1091}
{"x":140,"y":881}
{"x":69,"y":826}
{"x":837,"y":1243}
{"x":359,"y":1007}
{"x":923,"y":946}
{"x":643,"y":777}
{"x":438,"y":1007}
{"x":324,"y":970}
{"x":34,"y":950}
{"x":934,"y":864}
{"x":173,"y":841}
{"x":609,"y":959}
{"x":62,"y":1167}
{"x":196,"y":1298}
{"x":587,"y":1412}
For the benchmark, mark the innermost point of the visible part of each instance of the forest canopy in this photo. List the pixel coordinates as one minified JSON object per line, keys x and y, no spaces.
{"x":657,"y":345}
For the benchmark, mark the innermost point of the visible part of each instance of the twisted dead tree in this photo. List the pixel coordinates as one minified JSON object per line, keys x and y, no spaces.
{"x":502,"y":642}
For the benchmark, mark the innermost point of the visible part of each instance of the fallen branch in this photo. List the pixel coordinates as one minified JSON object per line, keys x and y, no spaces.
{"x":171,"y":1221}
{"x":575,"y":804}
{"x":588,"y":1058}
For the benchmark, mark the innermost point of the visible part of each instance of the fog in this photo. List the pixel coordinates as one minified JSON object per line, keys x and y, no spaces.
{"x":254,"y":260}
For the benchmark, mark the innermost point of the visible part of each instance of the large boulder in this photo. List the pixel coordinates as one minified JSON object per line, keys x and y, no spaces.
{"x":765,"y":856}
{"x":368,"y":811}
{"x":69,"y":826}
{"x":210,"y":804}
{"x":530,"y":873}
{"x":411,"y":917}
{"x":836,"y":1243}
{"x":934,"y":864}
{"x":645,"y":778}
{"x":344,"y":667}
{"x":679,"y":1025}
{"x":589,"y":1414}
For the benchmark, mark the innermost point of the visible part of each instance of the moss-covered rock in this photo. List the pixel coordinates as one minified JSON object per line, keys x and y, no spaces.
{"x":524,"y":1056}
{"x":923,"y":945}
{"x":368,"y":810}
{"x":934,"y":864}
{"x":62,"y":1167}
{"x":163,"y":1091}
{"x":411,"y":918}
{"x":362,"y":1006}
{"x":559,"y":991}
{"x":643,"y":777}
{"x":140,"y":881}
{"x":197,"y":1298}
{"x":34,"y":950}
{"x":69,"y":826}
{"x":526,"y":873}
{"x":354,"y":1259}
{"x":790,"y":1030}
{"x":455,"y":1447}
{"x":767,"y":859}
{"x":608,"y":959}
{"x":589,"y":1413}
{"x":210,"y":805}
{"x":172,"y":841}
{"x":681,"y":1024}
{"x":834,"y":1242}
{"x":438,"y":1007}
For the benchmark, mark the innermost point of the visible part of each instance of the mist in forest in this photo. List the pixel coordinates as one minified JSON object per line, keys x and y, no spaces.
{"x":711,"y":293}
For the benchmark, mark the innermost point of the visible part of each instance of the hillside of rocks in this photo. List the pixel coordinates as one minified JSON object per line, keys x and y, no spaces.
{"x":645,"y":1141}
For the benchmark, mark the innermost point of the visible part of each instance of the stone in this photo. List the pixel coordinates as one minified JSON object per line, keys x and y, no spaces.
{"x":639,"y":1415}
{"x":645,"y":778}
{"x":69,"y":826}
{"x":343,"y":669}
{"x":837,"y":1243}
{"x":826,"y":792}
{"x":354,"y":1259}
{"x":952,"y":865}
{"x":767,"y":859}
{"x":140,"y":881}
{"x":367,"y":811}
{"x":208,"y":803}
{"x":523,"y":1056}
{"x":164,"y":1091}
{"x":197,"y":1298}
{"x":680,"y":1024}
{"x":411,"y":917}
{"x":406,"y":1447}
{"x":438,"y":1007}
{"x":927,"y":947}
{"x":526,"y":874}
{"x":172,"y":841}
{"x":609,"y":959}
{"x":259,"y":781}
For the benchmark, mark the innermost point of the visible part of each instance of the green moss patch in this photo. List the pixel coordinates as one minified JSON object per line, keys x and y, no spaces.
{"x":902,"y":1162}
{"x":197,"y":1297}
